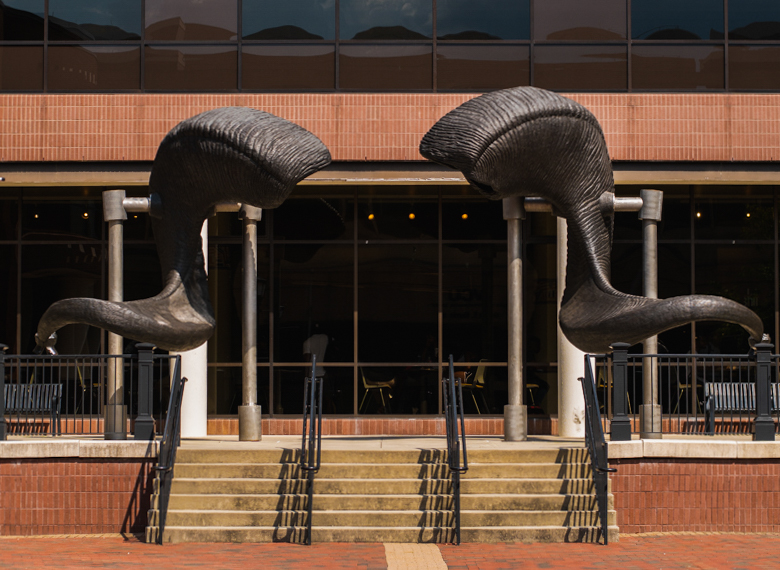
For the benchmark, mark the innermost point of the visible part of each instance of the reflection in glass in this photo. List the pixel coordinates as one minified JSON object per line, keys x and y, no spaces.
{"x":21,"y":20}
{"x":577,"y":20}
{"x":748,"y":67}
{"x":184,"y":20}
{"x":224,"y":389}
{"x":384,"y":218}
{"x":383,"y":67}
{"x":601,"y":68}
{"x":288,"y":67}
{"x":289,"y":20}
{"x":8,"y":289}
{"x":21,"y":68}
{"x":87,"y":68}
{"x":754,"y":20}
{"x":473,"y":220}
{"x":495,"y":20}
{"x":675,"y":20}
{"x":386,"y":20}
{"x":310,"y":219}
{"x":722,"y":214}
{"x":94,"y":20}
{"x":484,"y":67}
{"x":62,"y":220}
{"x":677,"y":67}
{"x":190,"y":68}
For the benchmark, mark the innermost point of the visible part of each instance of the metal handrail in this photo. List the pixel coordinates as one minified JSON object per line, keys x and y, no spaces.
{"x":457,"y":457}
{"x":597,"y":447}
{"x":311,"y":454}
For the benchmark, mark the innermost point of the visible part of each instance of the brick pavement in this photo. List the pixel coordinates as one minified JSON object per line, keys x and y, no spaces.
{"x":667,"y":551}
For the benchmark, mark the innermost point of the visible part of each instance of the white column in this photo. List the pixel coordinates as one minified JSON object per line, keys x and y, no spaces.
{"x":194,"y":365}
{"x":571,"y":405}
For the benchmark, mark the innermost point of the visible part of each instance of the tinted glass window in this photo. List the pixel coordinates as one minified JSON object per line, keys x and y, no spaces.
{"x":191,"y":20}
{"x":94,"y":20}
{"x":580,"y":67}
{"x":386,"y":20}
{"x":290,"y":20}
{"x":389,"y":219}
{"x":473,"y":220}
{"x":676,"y":20}
{"x":677,"y":67}
{"x":62,"y":220}
{"x":21,"y":68}
{"x":288,"y":67}
{"x":578,"y":20}
{"x":392,"y":68}
{"x":190,"y":68}
{"x":333,"y":219}
{"x":748,"y":67}
{"x":103,"y":68}
{"x":495,"y":20}
{"x":481,"y":67}
{"x":21,"y":20}
{"x":8,"y":289}
{"x":754,"y":20}
{"x":720,"y":214}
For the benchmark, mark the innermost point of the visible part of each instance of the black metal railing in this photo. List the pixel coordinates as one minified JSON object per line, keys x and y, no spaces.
{"x":457,"y":457}
{"x":597,"y":448}
{"x":311,"y":442}
{"x":170,"y":443}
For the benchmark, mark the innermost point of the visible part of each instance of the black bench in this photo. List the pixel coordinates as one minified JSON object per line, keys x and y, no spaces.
{"x":35,"y":399}
{"x":733,"y":397}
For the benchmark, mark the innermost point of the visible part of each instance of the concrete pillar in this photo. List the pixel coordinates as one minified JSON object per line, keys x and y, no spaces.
{"x":571,"y":361}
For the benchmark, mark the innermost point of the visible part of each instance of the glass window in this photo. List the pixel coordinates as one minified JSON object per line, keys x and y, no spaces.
{"x":578,"y":20}
{"x":387,"y":218}
{"x":184,"y":20}
{"x":290,"y":20}
{"x":21,"y":68}
{"x":677,"y":67}
{"x":475,"y":67}
{"x":495,"y":20}
{"x":142,"y":273}
{"x":190,"y":68}
{"x":675,"y":218}
{"x":323,"y":218}
{"x":94,"y":20}
{"x":21,"y":20}
{"x":473,"y":220}
{"x":598,"y":68}
{"x":9,"y":215}
{"x":720,"y":213}
{"x":675,"y":20}
{"x":754,"y":20}
{"x":61,"y":219}
{"x":385,"y":68}
{"x":288,"y":67}
{"x":748,"y":67}
{"x":386,"y":20}
{"x":8,"y":290}
{"x":99,"y":68}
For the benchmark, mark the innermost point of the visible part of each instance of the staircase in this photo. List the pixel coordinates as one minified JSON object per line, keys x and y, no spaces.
{"x":381,"y":496}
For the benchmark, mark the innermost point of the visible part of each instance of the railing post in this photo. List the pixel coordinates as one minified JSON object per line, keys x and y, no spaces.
{"x":620,"y":428}
{"x":764,"y":425}
{"x":3,"y":348}
{"x":144,"y":422}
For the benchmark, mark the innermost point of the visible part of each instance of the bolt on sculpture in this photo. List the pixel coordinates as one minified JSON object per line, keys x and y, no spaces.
{"x":531,"y":142}
{"x":232,"y":154}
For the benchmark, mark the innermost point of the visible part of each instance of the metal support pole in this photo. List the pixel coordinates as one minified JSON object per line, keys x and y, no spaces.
{"x":764,"y":425}
{"x":115,"y":412}
{"x":144,"y":422}
{"x":3,"y":433}
{"x":249,"y":413}
{"x":650,"y":410}
{"x":515,"y":414}
{"x":620,"y":429}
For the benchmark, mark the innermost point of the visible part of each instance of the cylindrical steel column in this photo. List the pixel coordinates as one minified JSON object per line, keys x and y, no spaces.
{"x":249,"y":413}
{"x":515,"y":416}
{"x":650,"y":410}
{"x":115,"y":411}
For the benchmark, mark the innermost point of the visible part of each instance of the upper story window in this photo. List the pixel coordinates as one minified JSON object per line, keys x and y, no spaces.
{"x":289,"y":20}
{"x":495,"y":20}
{"x":677,"y":20}
{"x":385,"y":20}
{"x":21,"y":20}
{"x":191,"y":20}
{"x":109,"y":20}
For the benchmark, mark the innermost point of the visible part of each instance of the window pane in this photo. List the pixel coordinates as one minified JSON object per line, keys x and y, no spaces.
{"x":677,"y":67}
{"x":84,"y":68}
{"x":749,"y":65}
{"x":21,"y":68}
{"x":314,"y":219}
{"x":383,"y":67}
{"x":387,"y":20}
{"x":754,"y":20}
{"x":288,"y":67}
{"x":476,"y":67}
{"x":721,"y":213}
{"x":8,"y":288}
{"x":94,"y":20}
{"x":21,"y":20}
{"x":495,"y":20}
{"x":675,"y":218}
{"x":601,"y":68}
{"x":191,"y":68}
{"x":675,"y":20}
{"x":578,"y":20}
{"x":290,"y":20}
{"x":184,"y":20}
{"x":398,"y":219}
{"x":62,"y":219}
{"x":224,"y":389}
{"x":473,"y":220}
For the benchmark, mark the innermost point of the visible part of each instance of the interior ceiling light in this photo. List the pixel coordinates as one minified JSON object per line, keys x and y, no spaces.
{"x":85,"y":215}
{"x":464,"y":217}
{"x":35,"y":216}
{"x":698,"y":214}
{"x":748,"y":214}
{"x":411,"y":215}
{"x":371,"y":216}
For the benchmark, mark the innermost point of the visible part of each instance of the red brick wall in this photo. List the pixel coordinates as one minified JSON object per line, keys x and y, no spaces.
{"x":380,"y":127}
{"x":73,"y":496}
{"x":699,"y":495}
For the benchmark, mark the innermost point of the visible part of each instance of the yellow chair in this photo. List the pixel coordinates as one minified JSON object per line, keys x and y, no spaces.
{"x":369,"y":385}
{"x":475,"y":383}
